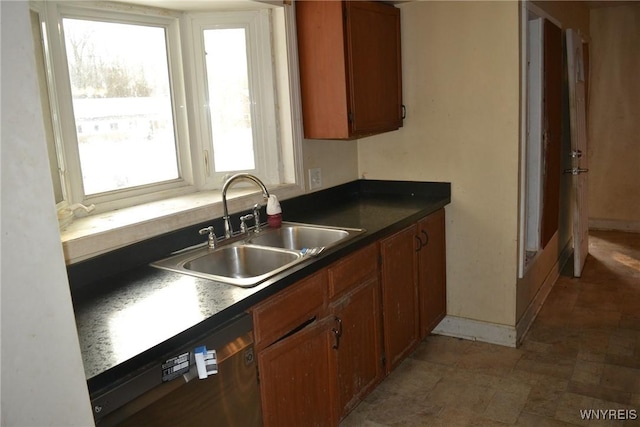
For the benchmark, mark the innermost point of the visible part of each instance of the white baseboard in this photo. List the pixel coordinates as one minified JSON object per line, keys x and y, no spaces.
{"x":475,"y":330}
{"x":525,"y":322}
{"x":614,"y":224}
{"x":505,"y":335}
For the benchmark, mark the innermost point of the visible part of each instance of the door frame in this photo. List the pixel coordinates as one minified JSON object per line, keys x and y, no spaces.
{"x":531,"y":157}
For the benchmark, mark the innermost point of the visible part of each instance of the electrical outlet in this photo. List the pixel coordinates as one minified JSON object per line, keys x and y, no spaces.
{"x":315,"y":178}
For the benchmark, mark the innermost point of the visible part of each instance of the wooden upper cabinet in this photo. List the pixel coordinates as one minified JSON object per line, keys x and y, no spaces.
{"x":350,"y":68}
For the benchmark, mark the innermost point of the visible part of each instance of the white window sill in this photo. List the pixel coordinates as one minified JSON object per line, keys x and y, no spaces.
{"x":97,"y":234}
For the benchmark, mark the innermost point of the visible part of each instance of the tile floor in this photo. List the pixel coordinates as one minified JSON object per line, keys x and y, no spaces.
{"x":582,"y":352}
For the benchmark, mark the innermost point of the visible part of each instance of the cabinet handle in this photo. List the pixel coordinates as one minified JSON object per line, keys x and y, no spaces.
{"x":419,"y":246}
{"x":426,"y":237}
{"x":337,"y":332}
{"x":404,"y":112}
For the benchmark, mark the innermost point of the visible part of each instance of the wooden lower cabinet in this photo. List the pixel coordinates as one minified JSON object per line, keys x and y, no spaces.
{"x":294,"y":341}
{"x":432,"y":271}
{"x":355,"y":305}
{"x":399,"y":295}
{"x":358,"y":352}
{"x":295,"y":378}
{"x":328,"y":358}
{"x":324,"y":343}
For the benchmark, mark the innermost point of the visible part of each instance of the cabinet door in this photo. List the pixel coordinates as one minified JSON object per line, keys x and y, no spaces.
{"x":296,"y":384}
{"x":432,"y":282}
{"x":374,"y":63}
{"x":283,"y":312}
{"x":399,"y":295}
{"x":350,"y":68}
{"x":323,"y":69}
{"x":359,"y":346}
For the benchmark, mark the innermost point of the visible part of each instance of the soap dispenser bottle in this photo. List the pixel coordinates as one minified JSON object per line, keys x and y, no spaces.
{"x":274,"y":212}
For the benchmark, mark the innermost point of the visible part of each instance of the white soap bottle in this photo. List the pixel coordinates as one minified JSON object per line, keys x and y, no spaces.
{"x":274,"y":212}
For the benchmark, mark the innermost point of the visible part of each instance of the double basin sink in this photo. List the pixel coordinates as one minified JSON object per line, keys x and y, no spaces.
{"x":258,"y":256}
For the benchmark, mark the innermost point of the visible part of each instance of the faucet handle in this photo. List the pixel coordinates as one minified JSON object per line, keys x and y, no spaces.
{"x":243,"y":222}
{"x":256,"y":216}
{"x":212,"y":240}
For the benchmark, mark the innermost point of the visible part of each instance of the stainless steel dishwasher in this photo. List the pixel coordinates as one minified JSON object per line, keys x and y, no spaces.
{"x":171,"y":394}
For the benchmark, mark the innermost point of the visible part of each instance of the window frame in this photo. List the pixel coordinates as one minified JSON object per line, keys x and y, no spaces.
{"x":281,"y":167}
{"x":257,"y":26}
{"x":52,"y":15}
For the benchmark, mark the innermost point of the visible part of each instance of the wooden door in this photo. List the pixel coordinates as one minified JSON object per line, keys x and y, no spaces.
{"x":399,"y":295}
{"x":432,"y":271}
{"x":577,"y":109}
{"x":374,"y":63}
{"x":359,"y":347}
{"x":296,"y":381}
{"x":552,"y":131}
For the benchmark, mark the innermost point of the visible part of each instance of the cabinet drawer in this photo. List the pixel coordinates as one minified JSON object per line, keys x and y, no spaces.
{"x":353,"y":270}
{"x":285,"y":311}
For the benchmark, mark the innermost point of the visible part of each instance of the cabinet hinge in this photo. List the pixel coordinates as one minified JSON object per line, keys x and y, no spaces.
{"x":383,"y":359}
{"x":350,"y":117}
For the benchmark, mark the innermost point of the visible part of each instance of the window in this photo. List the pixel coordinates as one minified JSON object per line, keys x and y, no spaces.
{"x":120,"y":72}
{"x":148,"y":104}
{"x":239,"y":122}
{"x":229,"y":99}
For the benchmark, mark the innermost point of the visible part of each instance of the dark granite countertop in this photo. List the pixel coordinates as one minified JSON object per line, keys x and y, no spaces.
{"x":131,"y":319}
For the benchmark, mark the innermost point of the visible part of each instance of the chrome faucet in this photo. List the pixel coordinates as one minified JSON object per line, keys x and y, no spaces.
{"x":228,"y":230}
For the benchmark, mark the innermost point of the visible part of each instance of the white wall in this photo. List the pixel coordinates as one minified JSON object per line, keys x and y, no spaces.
{"x":43,"y":380}
{"x":614,"y":107}
{"x":337,"y":160}
{"x":461,"y":88}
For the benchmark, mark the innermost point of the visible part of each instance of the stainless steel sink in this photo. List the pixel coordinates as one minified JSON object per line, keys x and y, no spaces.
{"x":248,"y":262}
{"x":302,"y":236}
{"x":237,"y":264}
